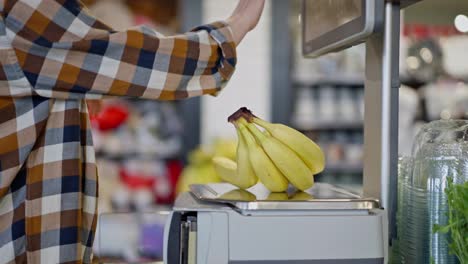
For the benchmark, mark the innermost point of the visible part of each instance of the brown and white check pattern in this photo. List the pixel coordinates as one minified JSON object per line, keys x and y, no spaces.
{"x":53,"y":55}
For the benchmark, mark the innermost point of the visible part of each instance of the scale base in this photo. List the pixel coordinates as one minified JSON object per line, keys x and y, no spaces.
{"x":227,"y":234}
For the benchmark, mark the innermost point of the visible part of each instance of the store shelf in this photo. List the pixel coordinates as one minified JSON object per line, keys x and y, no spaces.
{"x":134,"y":155}
{"x":405,"y":3}
{"x":344,"y":168}
{"x":352,"y":81}
{"x":352,"y":126}
{"x":97,"y":260}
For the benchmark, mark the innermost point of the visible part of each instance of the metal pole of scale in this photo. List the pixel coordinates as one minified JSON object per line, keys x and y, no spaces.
{"x":381,"y":113}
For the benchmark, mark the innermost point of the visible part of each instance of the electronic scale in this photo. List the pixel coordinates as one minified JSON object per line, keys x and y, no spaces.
{"x":215,"y":224}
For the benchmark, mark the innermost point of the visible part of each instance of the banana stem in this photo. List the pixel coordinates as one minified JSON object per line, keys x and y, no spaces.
{"x":243,"y":112}
{"x":249,"y":138}
{"x":261,"y":122}
{"x":238,"y":130}
{"x":241,"y":121}
{"x":239,"y":134}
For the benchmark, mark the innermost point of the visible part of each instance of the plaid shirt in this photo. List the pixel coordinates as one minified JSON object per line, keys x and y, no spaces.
{"x":53,"y":55}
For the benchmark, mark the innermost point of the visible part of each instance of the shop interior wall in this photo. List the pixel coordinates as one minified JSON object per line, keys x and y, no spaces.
{"x":250,"y":85}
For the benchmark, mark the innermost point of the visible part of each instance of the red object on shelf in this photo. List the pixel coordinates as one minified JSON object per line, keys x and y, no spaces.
{"x":174,"y":169}
{"x":136,"y":180}
{"x":111,"y":117}
{"x":421,"y":31}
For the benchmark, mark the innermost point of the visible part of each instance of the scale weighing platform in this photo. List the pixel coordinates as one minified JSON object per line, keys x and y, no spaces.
{"x":214,"y":224}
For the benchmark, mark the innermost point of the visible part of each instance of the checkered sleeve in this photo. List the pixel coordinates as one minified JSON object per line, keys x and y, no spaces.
{"x":66,"y":53}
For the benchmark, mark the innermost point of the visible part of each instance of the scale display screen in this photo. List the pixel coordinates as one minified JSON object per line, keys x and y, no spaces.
{"x":332,"y":25}
{"x":327,"y":15}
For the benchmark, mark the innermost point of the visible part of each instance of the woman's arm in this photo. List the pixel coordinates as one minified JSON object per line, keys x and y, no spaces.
{"x":66,"y":53}
{"x":245,"y":17}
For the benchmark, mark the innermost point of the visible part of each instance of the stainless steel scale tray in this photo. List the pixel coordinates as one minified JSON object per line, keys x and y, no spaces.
{"x":321,"y":196}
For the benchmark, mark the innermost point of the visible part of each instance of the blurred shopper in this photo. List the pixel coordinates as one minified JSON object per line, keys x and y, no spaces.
{"x":53,"y":57}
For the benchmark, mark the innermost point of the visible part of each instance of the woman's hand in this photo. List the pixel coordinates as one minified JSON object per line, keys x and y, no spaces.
{"x":245,"y":17}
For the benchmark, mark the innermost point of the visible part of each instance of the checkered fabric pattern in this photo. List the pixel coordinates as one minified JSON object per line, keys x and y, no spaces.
{"x":53,"y":55}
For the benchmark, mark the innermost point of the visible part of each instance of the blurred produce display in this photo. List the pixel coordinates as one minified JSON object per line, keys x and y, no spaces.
{"x":138,"y":149}
{"x":140,"y":241}
{"x":200,"y":167}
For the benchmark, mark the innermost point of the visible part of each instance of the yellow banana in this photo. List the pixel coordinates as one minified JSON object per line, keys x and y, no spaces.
{"x":225,"y":148}
{"x":287,"y":161}
{"x":226,"y":169}
{"x":277,"y":196}
{"x":240,"y":174}
{"x":262,"y":165}
{"x":197,"y":174}
{"x":239,"y":194}
{"x":301,"y":196}
{"x":305,"y":148}
{"x":199,"y":156}
{"x":245,"y":172}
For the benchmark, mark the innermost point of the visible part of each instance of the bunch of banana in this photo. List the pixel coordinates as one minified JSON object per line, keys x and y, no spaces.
{"x":277,"y":156}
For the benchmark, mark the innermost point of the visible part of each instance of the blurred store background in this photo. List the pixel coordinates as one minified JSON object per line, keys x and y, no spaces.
{"x":149,"y":151}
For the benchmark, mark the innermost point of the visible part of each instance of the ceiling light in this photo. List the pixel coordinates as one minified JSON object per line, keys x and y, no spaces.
{"x":461,"y":23}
